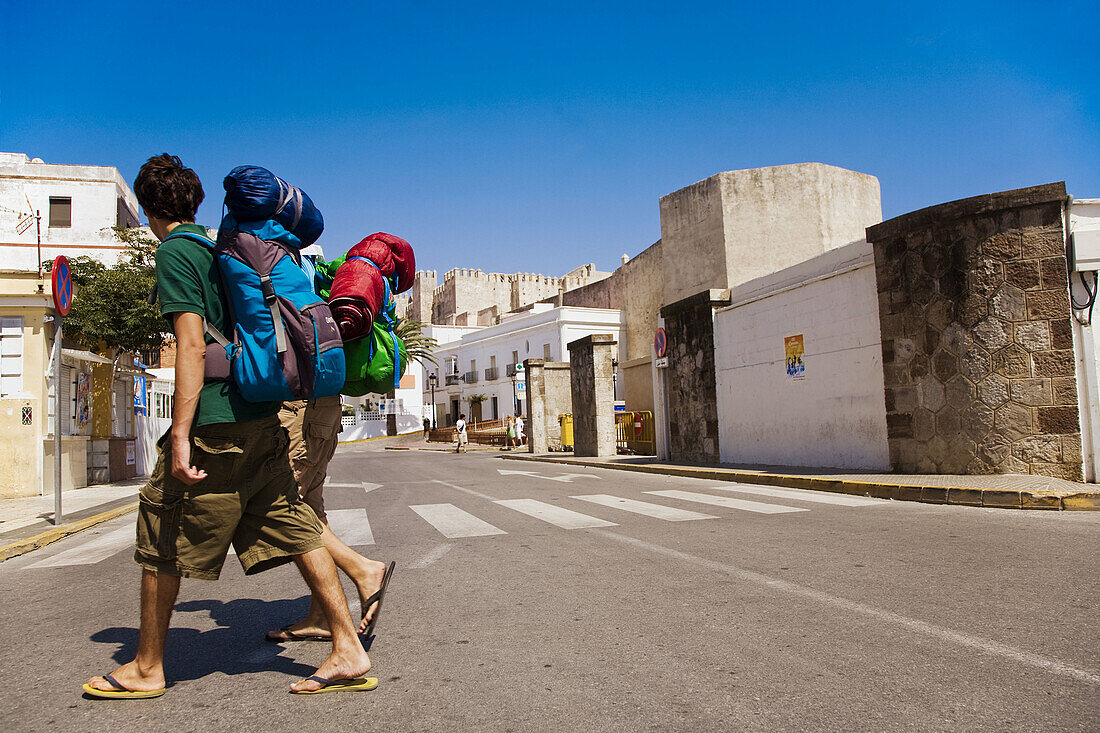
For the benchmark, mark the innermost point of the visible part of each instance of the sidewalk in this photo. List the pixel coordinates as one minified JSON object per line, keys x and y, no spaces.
{"x":1005,"y":491}
{"x":27,"y":523}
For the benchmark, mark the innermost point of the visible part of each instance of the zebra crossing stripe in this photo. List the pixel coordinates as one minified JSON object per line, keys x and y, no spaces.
{"x":351,"y":526}
{"x":728,"y":502}
{"x":656,"y":511}
{"x":452,"y":522}
{"x":94,"y":550}
{"x":556,"y":515}
{"x":801,"y":495}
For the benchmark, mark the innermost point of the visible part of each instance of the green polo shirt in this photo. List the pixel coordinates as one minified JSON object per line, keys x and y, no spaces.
{"x":188,"y":282}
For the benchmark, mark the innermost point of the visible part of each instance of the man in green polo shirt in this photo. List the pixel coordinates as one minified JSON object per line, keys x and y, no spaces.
{"x":223,"y":474}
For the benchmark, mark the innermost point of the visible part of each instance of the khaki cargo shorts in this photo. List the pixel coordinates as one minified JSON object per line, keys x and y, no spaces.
{"x":248,"y":499}
{"x":314,"y":427}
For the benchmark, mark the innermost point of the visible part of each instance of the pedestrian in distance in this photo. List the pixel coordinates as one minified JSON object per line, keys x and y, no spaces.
{"x":460,"y":434}
{"x":520,"y":437}
{"x":314,"y":428}
{"x":222,"y":473}
{"x":427,"y":427}
{"x":511,"y":431}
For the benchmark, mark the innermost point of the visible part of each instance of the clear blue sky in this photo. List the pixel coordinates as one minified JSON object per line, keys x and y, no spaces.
{"x":537,"y":137}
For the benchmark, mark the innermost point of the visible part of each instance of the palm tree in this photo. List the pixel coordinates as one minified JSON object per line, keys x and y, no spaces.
{"x":418,"y":346}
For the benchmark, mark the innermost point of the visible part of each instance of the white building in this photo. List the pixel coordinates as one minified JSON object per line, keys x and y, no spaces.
{"x":481,"y":361}
{"x":48,"y":210}
{"x":70,"y":209}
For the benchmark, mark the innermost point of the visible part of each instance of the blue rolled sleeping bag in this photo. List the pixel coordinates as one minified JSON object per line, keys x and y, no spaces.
{"x":255,"y":194}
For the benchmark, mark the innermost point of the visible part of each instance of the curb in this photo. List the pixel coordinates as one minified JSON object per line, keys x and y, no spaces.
{"x":956,"y":495}
{"x":364,"y":440}
{"x":22,"y":547}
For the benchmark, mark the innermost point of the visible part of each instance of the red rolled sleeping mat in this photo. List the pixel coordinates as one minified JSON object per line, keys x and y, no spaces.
{"x":358,"y":292}
{"x":404,"y":262}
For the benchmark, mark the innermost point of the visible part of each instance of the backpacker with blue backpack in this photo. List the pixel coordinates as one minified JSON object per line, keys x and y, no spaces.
{"x":285,"y":343}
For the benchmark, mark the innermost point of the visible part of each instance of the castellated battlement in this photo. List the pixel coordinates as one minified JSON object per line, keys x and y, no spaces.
{"x":465,"y":290}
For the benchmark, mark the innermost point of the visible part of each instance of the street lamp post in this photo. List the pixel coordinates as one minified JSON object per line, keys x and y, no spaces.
{"x":432,"y":379}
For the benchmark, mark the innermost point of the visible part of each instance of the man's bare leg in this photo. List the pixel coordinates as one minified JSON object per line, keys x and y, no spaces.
{"x":146,"y":671}
{"x":348,"y":659}
{"x":367,"y":575}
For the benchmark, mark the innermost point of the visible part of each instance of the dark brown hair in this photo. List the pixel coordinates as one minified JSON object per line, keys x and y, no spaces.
{"x":168,"y":190}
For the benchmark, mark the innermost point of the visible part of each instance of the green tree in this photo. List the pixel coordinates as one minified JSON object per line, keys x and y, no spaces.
{"x":110,"y":305}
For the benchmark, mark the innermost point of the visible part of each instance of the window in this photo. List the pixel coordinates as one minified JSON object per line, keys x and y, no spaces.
{"x":11,"y":355}
{"x":546,"y":352}
{"x":124,"y":217}
{"x":515,"y":358}
{"x":493,"y":361}
{"x":61,"y":211}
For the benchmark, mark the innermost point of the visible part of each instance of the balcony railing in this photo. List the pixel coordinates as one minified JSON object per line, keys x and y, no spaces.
{"x":511,"y":370}
{"x":471,"y":377}
{"x":452,"y":380}
{"x":490,"y":374}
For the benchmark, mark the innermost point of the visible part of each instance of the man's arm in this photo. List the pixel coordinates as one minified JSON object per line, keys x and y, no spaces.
{"x":190,"y":370}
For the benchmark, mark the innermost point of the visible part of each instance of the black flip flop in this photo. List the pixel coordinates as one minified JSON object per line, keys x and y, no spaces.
{"x":368,"y":635}
{"x":292,"y":636}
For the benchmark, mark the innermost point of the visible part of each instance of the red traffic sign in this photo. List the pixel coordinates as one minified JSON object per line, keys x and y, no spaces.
{"x":660,"y":343}
{"x":62,"y":282}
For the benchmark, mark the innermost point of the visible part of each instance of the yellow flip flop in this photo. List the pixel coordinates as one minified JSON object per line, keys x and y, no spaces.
{"x":359,"y":684}
{"x":121,"y":692}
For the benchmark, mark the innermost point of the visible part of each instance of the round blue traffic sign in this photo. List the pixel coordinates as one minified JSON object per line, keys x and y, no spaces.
{"x":62,"y":285}
{"x":660,"y":343}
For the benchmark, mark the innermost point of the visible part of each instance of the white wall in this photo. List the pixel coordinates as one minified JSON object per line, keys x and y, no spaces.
{"x":1084,"y":214}
{"x":836,"y":415}
{"x":94,"y":191}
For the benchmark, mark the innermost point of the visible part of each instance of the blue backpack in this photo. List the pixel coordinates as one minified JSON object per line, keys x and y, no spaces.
{"x":285,"y":344}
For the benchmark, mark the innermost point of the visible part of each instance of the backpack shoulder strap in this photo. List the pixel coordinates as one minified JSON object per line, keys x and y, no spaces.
{"x":200,"y":239}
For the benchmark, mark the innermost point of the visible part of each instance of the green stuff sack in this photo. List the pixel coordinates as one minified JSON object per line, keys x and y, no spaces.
{"x":375,"y":364}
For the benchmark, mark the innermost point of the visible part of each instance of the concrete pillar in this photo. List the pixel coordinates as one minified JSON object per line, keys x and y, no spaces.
{"x":548,"y":396}
{"x":593,"y":391}
{"x":691,"y":385}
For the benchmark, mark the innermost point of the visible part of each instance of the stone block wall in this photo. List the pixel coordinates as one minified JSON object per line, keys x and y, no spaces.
{"x":977,"y":346}
{"x":593,"y":395}
{"x":548,"y":395}
{"x":692,"y":387}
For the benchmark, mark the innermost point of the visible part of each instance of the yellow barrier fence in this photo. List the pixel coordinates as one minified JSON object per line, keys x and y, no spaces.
{"x":634,"y":432}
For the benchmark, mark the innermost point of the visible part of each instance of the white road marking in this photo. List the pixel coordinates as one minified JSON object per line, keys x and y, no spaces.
{"x":453,"y":522}
{"x":641,"y":507}
{"x":94,"y":550}
{"x":563,"y":478}
{"x":728,"y":503}
{"x":820,"y":497}
{"x":432,"y":556}
{"x":365,"y":485}
{"x":556,"y":515}
{"x":351,"y":526}
{"x":471,"y":492}
{"x":916,"y":626}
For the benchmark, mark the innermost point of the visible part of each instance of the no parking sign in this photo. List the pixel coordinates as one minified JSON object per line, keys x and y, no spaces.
{"x":62,"y":282}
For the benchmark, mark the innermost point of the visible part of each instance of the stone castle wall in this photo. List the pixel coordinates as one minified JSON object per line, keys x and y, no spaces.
{"x":977,"y":345}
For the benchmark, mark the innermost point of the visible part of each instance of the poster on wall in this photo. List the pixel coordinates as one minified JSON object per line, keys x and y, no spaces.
{"x":131,"y":452}
{"x":795,"y":350}
{"x":83,"y":399}
{"x":141,"y":397}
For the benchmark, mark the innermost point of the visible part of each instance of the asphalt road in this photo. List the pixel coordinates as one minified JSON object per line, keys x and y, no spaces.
{"x":779,"y":614}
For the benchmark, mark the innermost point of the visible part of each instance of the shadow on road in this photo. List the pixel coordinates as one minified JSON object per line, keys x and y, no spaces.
{"x":237,"y":646}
